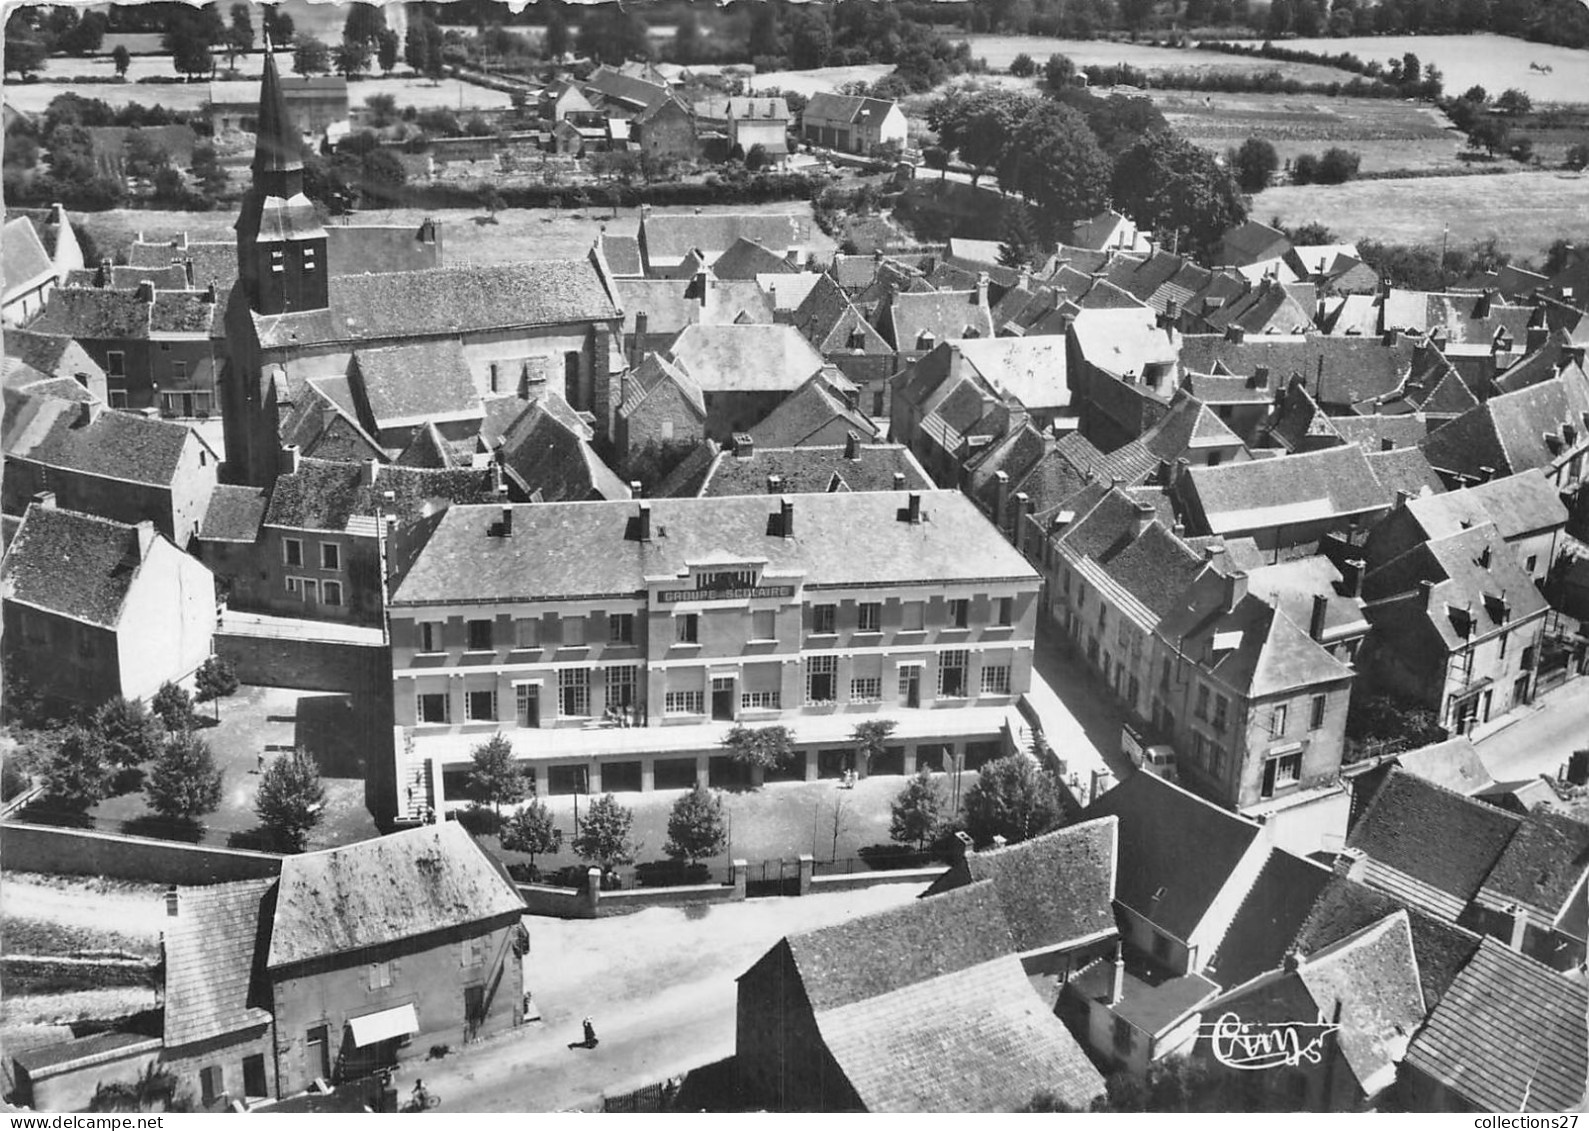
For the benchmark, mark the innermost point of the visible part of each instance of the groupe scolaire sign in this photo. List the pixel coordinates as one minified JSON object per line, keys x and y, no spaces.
{"x":672,"y":595}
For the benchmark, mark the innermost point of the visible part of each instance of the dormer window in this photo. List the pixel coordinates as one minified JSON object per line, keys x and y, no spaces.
{"x":857,"y":340}
{"x":925,"y":340}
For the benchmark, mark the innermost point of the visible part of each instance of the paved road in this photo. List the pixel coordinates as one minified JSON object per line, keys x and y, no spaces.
{"x":1542,"y":738}
{"x":1081,"y":719}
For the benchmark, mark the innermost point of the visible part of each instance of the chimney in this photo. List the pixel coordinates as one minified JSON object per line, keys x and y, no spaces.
{"x":852,"y":446}
{"x":1391,"y":337}
{"x":774,"y":484}
{"x":1234,"y":333}
{"x":899,"y":480}
{"x":1024,"y":509}
{"x":642,"y":322}
{"x":1402,"y":497}
{"x":636,"y":490}
{"x":982,"y":288}
{"x":1519,"y":925}
{"x":1001,"y":502}
{"x":1293,"y":961}
{"x":645,"y":212}
{"x":1537,"y":337}
{"x":1352,"y":577}
{"x":1486,"y":474}
{"x":645,"y":522}
{"x":146,"y":537}
{"x":1321,"y":606}
{"x":967,"y":848}
{"x":173,"y":900}
{"x":1235,"y":589}
{"x":1171,"y":315}
{"x":372,"y":471}
{"x":744,"y":445}
{"x":786,"y":516}
{"x":1179,"y":529}
{"x":88,"y":412}
{"x":210,"y":297}
{"x":703,"y":286}
{"x":1214,"y":553}
{"x":181,"y":242}
{"x":288,"y":462}
{"x":999,"y":841}
{"x":145,"y":291}
{"x":187,"y":265}
{"x":913,"y":509}
{"x":102,"y":274}
{"x":1481,"y":308}
{"x":1386,"y":444}
{"x":1143,"y":519}
{"x":1260,"y":377}
{"x":45,"y":499}
{"x":1117,"y":986}
{"x":507,"y":520}
{"x":1428,"y":590}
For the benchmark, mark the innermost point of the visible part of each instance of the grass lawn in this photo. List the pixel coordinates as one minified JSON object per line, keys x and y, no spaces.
{"x":1523,"y":211}
{"x":1001,"y":50}
{"x":1495,"y":62}
{"x":520,"y":234}
{"x":821,"y":79}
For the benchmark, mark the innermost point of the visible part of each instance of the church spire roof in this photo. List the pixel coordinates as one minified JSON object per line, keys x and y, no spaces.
{"x":279,"y":146}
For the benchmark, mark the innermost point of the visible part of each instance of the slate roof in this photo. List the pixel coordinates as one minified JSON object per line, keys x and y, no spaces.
{"x":1189,"y":426}
{"x":1055,"y":889}
{"x":1333,"y":482}
{"x":745,"y":259}
{"x":906,"y":316}
{"x":1263,"y":927}
{"x":1157,"y":877}
{"x":672,"y":304}
{"x":22,"y":256}
{"x":1507,"y":432}
{"x":414,"y":381}
{"x":1458,"y":317}
{"x":1354,"y":369}
{"x":1453,"y":764}
{"x":1122,"y":341}
{"x":1404,"y":430}
{"x":82,"y":1052}
{"x":1476,"y":1046}
{"x":185,"y":312}
{"x":565,"y":549}
{"x":745,"y":359}
{"x":213,"y":261}
{"x":622,"y":254}
{"x":1250,"y":242}
{"x":1032,"y":370}
{"x":326,"y":495}
{"x":548,"y":454}
{"x":827,"y":318}
{"x":1543,"y":864}
{"x":652,"y":371}
{"x":115,"y":445}
{"x":212,"y":959}
{"x":72,"y":564}
{"x":234,"y":514}
{"x":831,"y":107}
{"x":1223,"y":389}
{"x":1436,"y":836}
{"x":1156,"y":568}
{"x":670,"y":236}
{"x":1132,"y":463}
{"x":447,"y":301}
{"x":1404,"y":469}
{"x":379,"y":891}
{"x":805,"y":470}
{"x":92,"y":314}
{"x":168,"y":276}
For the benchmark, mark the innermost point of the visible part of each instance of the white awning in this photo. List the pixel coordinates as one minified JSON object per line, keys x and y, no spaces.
{"x":383,"y":1026}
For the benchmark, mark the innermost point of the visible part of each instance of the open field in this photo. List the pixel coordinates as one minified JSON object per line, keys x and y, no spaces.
{"x":822,"y":79}
{"x":1388,"y":134}
{"x":1523,"y":211}
{"x":520,"y":234}
{"x":1495,"y":62}
{"x":999,"y":50}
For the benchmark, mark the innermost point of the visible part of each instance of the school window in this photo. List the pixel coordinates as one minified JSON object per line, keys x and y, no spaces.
{"x":573,"y":629}
{"x":621,"y":683}
{"x":687,"y":628}
{"x":211,"y":1083}
{"x":996,"y":680}
{"x":620,"y":628}
{"x":435,"y":708}
{"x":1286,"y":769}
{"x":479,"y":635}
{"x":822,"y":679}
{"x":380,"y":975}
{"x":330,"y":555}
{"x":1006,"y":611}
{"x":1201,"y":710}
{"x":1221,"y":713}
{"x":1316,"y":716}
{"x":331,"y":593}
{"x":527,"y":633}
{"x":867,"y":690}
{"x":116,"y":364}
{"x":959,"y":612}
{"x":480,"y":706}
{"x":823,"y":618}
{"x":292,"y":551}
{"x":913,"y":616}
{"x":430,"y":636}
{"x":684,"y":703}
{"x":764,"y":624}
{"x":952,"y":675}
{"x":759,"y":700}
{"x":871,"y":617}
{"x":1277,"y":721}
{"x":573,"y":692}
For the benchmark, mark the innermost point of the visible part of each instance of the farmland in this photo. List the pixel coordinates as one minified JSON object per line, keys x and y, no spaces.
{"x":1523,"y":211}
{"x":1494,"y":62}
{"x":1000,"y":50}
{"x":822,"y":79}
{"x":1389,"y":134}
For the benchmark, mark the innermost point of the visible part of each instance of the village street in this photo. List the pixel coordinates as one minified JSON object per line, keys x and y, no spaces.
{"x":1542,"y":738}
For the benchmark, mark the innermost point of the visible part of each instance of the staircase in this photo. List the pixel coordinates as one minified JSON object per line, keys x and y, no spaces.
{"x":414,"y":796}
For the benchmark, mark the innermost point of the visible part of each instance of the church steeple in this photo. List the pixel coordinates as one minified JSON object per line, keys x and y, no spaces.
{"x":281,"y":244}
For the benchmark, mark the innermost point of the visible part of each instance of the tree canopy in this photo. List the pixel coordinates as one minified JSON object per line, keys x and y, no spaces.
{"x":915,"y":813}
{"x":759,"y":746}
{"x":185,"y":782}
{"x":495,"y":776}
{"x":1179,"y":190}
{"x":603,"y":834}
{"x":1254,"y":162}
{"x":291,"y":801}
{"x":1011,"y":798}
{"x":131,"y":735}
{"x":697,"y":827}
{"x":531,"y":830}
{"x":1055,"y":160}
{"x":73,"y":770}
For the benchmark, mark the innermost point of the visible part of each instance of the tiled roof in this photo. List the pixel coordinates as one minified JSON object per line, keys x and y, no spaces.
{"x":806,"y":470}
{"x":1188,"y":427}
{"x":323,"y":423}
{"x":1507,"y":432}
{"x":116,"y":445}
{"x":1458,"y":317}
{"x":830,"y":107}
{"x":96,"y":315}
{"x":974,"y":1040}
{"x":1055,"y":889}
{"x":1152,"y":999}
{"x":827,"y":318}
{"x":1156,"y":568}
{"x":1454,"y":764}
{"x":1439,"y":838}
{"x":1264,"y":926}
{"x":622,"y":254}
{"x":167,"y":276}
{"x":672,"y":304}
{"x":185,"y":312}
{"x":1509,"y":1035}
{"x":1404,"y":469}
{"x":1518,"y":504}
{"x":745,"y":259}
{"x":652,"y":371}
{"x":744,"y":108}
{"x":72,"y":564}
{"x":447,"y":301}
{"x":213,"y":261}
{"x":669,"y":236}
{"x":1250,"y":242}
{"x":1292,"y":585}
{"x":684,"y":481}
{"x":1032,"y":370}
{"x":549,"y":455}
{"x":1543,"y":864}
{"x":82,"y":1052}
{"x":234,"y":514}
{"x":1122,"y":341}
{"x":1158,"y":877}
{"x":1353,"y":369}
{"x":1132,"y":463}
{"x":322,"y":495}
{"x":1404,"y":430}
{"x":563,"y":549}
{"x":627,"y":88}
{"x":1298,"y":488}
{"x":401,"y":886}
{"x":23,"y":259}
{"x":367,"y":249}
{"x":725,"y":359}
{"x":414,"y":381}
{"x":1222,"y":389}
{"x":212,"y":959}
{"x":906,"y":317}
{"x":51,"y":355}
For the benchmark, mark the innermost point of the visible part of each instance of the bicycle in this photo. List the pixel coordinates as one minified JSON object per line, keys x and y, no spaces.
{"x":423,"y":1100}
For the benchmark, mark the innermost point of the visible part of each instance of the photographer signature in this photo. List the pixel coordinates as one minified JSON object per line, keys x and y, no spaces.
{"x":1253,"y":1045}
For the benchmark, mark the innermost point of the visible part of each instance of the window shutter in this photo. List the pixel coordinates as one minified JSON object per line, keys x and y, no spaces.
{"x":892,"y":614}
{"x":848,"y":616}
{"x":937,"y":612}
{"x":981,"y":611}
{"x":454,"y":634}
{"x":596,"y":629}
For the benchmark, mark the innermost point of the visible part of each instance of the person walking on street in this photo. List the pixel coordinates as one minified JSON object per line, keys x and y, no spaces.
{"x":590,"y":1033}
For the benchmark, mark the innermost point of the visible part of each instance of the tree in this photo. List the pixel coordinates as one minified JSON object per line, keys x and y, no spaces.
{"x":73,"y":770}
{"x":1022,"y":66}
{"x":119,"y":55}
{"x":556,"y":42}
{"x":1337,"y":166}
{"x":130,"y":734}
{"x":189,"y":50}
{"x":1514,"y":101}
{"x":352,"y":57}
{"x":915,"y":813}
{"x":1166,"y":183}
{"x":278,"y":24}
{"x":144,"y":155}
{"x":25,"y":55}
{"x":603,"y":835}
{"x":531,"y":830}
{"x":173,"y":705}
{"x":310,"y":56}
{"x":386,"y":50}
{"x":240,"y":35}
{"x":381,"y":109}
{"x":756,"y":157}
{"x":1054,"y":159}
{"x":364,"y":24}
{"x":291,"y":800}
{"x":495,"y":776}
{"x":1012,"y":798}
{"x":759,"y":746}
{"x":1254,"y":162}
{"x":1577,"y":157}
{"x":185,"y":782}
{"x":1059,"y":72}
{"x":611,"y":33}
{"x":687,"y":37}
{"x":215,"y":679}
{"x":697,"y":827}
{"x":1476,"y":94}
{"x":870,"y":737}
{"x":936,"y":157}
{"x":208,"y":172}
{"x":1489,"y":133}
{"x":1019,"y":248}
